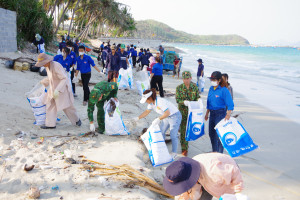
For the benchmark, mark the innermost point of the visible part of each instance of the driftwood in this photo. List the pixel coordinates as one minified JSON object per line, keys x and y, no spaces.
{"x":124,"y":173}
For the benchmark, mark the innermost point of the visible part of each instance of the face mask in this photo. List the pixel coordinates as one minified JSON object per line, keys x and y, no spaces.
{"x":214,"y":83}
{"x":70,"y":48}
{"x":63,"y":54}
{"x":81,"y":53}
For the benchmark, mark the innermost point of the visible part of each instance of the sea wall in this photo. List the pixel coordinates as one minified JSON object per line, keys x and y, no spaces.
{"x":8,"y":31}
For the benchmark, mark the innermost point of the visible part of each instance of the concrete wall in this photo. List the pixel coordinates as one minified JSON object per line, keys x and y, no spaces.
{"x":8,"y":31}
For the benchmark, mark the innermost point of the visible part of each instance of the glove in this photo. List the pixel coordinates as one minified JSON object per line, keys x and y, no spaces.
{"x":104,"y":70}
{"x":186,"y":103}
{"x":55,"y":94}
{"x":136,"y":119}
{"x":92,"y":127}
{"x":156,"y":122}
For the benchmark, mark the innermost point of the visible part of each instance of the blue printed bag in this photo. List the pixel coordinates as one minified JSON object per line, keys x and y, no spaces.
{"x":195,"y":122}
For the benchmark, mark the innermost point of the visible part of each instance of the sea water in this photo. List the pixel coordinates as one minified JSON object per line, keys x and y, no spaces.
{"x":269,"y":76}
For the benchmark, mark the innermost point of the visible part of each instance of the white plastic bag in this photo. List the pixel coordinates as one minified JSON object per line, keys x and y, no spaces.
{"x":142,"y":86}
{"x":195,"y":121}
{"x":114,"y":124}
{"x":202,"y":83}
{"x":130,"y":77}
{"x":156,"y":146}
{"x":35,"y":98}
{"x":237,"y":196}
{"x":234,"y":137}
{"x":123,"y":79}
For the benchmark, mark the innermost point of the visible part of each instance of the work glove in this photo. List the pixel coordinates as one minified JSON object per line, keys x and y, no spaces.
{"x":186,"y":103}
{"x":92,"y":127}
{"x":104,"y":70}
{"x":156,"y":122}
{"x":136,"y":119}
{"x":55,"y":94}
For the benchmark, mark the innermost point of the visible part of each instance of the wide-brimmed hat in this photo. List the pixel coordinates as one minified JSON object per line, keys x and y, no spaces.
{"x":181,"y":176}
{"x":43,"y":59}
{"x":145,"y":97}
{"x":199,"y":60}
{"x":216,"y":75}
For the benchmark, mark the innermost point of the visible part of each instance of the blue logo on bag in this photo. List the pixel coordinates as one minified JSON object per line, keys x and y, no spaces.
{"x":196,"y":128}
{"x":230,"y":139}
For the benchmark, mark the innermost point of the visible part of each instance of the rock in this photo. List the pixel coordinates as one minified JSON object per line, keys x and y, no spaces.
{"x":28,"y":168}
{"x":70,"y":160}
{"x":34,"y":193}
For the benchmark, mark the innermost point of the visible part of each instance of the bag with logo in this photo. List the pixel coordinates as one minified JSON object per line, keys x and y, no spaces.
{"x":156,"y":146}
{"x":141,"y":87}
{"x":130,"y":77}
{"x":123,"y":79}
{"x":234,"y":137}
{"x":202,"y":83}
{"x":195,"y":121}
{"x":114,"y":124}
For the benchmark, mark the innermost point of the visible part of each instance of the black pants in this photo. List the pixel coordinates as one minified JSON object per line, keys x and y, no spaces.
{"x":134,"y":60}
{"x":156,"y":82}
{"x":85,"y":78}
{"x":205,"y":195}
{"x":73,"y":84}
{"x":144,"y":65}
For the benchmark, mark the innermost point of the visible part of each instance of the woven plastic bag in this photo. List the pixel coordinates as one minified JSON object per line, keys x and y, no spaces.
{"x":195,"y":121}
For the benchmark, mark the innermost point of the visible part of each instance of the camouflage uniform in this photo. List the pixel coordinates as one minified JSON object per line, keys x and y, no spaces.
{"x":109,"y":90}
{"x":182,"y":94}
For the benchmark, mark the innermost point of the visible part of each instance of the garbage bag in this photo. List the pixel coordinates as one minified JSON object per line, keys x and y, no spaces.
{"x":234,"y":137}
{"x":123,"y":79}
{"x":156,"y":146}
{"x":237,"y":196}
{"x":35,"y":98}
{"x":202,"y":83}
{"x":130,"y":77}
{"x":33,"y":68}
{"x":43,"y":71}
{"x":195,"y":121}
{"x":114,"y":124}
{"x":141,"y":86}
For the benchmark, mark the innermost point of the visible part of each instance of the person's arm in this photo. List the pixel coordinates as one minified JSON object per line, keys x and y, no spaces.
{"x":178,"y":96}
{"x":165,"y":115}
{"x":206,"y":115}
{"x":197,"y":96}
{"x":60,"y":73}
{"x":93,"y":64}
{"x":45,"y":82}
{"x":90,"y":111}
{"x":144,"y":114}
{"x":229,"y":103}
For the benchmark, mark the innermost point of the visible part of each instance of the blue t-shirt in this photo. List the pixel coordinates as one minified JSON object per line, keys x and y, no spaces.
{"x":157,"y":69}
{"x":84,"y":65}
{"x":200,"y":69}
{"x":134,"y":53}
{"x":140,"y":53}
{"x":73,"y":57}
{"x":219,"y":98}
{"x":76,"y":49}
{"x":123,"y":57}
{"x":66,"y":63}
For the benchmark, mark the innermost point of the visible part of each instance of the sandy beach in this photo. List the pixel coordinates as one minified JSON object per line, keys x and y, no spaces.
{"x":270,"y":172}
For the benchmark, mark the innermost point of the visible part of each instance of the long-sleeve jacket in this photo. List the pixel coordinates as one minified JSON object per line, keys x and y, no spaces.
{"x":113,"y":62}
{"x":182,"y":94}
{"x":144,"y":59}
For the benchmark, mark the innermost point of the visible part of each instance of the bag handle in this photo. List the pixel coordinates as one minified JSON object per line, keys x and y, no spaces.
{"x":33,"y":89}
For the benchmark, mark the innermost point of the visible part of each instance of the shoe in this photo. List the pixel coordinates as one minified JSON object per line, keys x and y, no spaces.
{"x":174,"y":155}
{"x":84,"y":103}
{"x":184,"y":153}
{"x":168,"y":141}
{"x":75,"y":95}
{"x":48,"y":127}
{"x":78,"y":123}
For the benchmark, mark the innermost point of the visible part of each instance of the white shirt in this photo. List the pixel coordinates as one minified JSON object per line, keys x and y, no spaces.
{"x":161,"y":105}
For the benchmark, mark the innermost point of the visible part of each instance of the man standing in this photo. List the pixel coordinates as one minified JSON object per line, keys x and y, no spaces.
{"x":200,"y":73}
{"x":123,"y":57}
{"x":161,"y":50}
{"x":102,"y":92}
{"x":185,"y":92}
{"x":134,"y":55}
{"x":59,"y":96}
{"x":84,"y":63}
{"x":113,"y":65}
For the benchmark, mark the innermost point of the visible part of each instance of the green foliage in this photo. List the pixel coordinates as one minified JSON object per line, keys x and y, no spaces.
{"x":151,"y":29}
{"x":31,"y":19}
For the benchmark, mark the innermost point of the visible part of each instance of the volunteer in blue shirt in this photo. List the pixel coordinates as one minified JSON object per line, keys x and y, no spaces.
{"x":157,"y":77}
{"x":73,"y":56}
{"x":219,"y":106}
{"x":200,"y":73}
{"x":134,"y":55}
{"x":144,"y":59}
{"x":64,"y":59}
{"x":84,"y":63}
{"x":123,"y":57}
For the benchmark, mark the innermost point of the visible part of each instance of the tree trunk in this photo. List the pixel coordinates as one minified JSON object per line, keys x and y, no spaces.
{"x":62,"y":17}
{"x":57,"y":16}
{"x":52,"y":12}
{"x":73,"y":16}
{"x":87,"y":26}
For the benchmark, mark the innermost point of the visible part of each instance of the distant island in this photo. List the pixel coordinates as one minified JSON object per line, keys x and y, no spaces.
{"x":151,"y":29}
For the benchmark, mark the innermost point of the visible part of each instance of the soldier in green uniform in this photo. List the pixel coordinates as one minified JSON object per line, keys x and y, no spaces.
{"x":102,"y":91}
{"x":188,"y":91}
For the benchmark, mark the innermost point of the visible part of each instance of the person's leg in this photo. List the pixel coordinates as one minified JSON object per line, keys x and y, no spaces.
{"x":221,"y":115}
{"x":160,"y":86}
{"x":73,"y":84}
{"x":175,"y":121}
{"x":115,"y":76}
{"x":205,"y":195}
{"x":83,"y":80}
{"x":51,"y":114}
{"x":184,"y":143}
{"x":72,"y":114}
{"x":212,"y":132}
{"x":101,"y":117}
{"x":110,"y":76}
{"x":199,"y":84}
{"x":164,"y":126}
{"x":153,"y":82}
{"x":134,"y":60}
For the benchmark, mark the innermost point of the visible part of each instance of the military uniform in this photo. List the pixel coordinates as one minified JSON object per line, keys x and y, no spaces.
{"x":184,"y":94}
{"x":109,"y":90}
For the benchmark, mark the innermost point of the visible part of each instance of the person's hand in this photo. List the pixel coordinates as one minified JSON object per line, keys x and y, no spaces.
{"x":104,"y":70}
{"x":92,"y":127}
{"x":206,"y":117}
{"x":156,"y":122}
{"x":227,"y":117}
{"x":136,"y":119}
{"x":55,"y":94}
{"x":186,"y":103}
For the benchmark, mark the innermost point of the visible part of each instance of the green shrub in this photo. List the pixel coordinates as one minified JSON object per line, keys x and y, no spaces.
{"x":31,"y":19}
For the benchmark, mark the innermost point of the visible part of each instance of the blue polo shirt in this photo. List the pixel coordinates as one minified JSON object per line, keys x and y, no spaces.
{"x":219,"y":98}
{"x":134,"y":53}
{"x":72,"y":55}
{"x":123,"y":57}
{"x":84,"y":65}
{"x":157,"y":69}
{"x":66,"y":63}
{"x":140,"y":53}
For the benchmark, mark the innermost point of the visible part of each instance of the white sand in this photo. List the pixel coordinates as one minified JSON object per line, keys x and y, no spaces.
{"x":271,"y":172}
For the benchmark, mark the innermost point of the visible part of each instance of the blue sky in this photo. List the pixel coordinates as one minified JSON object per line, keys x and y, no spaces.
{"x":260,"y":21}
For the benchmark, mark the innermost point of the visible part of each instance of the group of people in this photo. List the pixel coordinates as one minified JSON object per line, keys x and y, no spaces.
{"x":206,"y":175}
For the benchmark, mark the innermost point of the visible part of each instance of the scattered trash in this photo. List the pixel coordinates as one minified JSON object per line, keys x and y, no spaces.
{"x":28,"y":168}
{"x":45,"y":167}
{"x":70,"y":161}
{"x":42,"y":140}
{"x":34,"y":193}
{"x":8,"y":129}
{"x":55,"y":187}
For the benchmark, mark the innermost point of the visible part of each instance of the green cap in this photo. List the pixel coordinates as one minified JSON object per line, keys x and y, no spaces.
{"x":122,"y":46}
{"x":186,"y":75}
{"x":94,"y":96}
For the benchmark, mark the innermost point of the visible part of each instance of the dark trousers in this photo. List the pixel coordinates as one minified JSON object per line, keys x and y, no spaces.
{"x":73,"y":84}
{"x":144,"y":65}
{"x":134,"y":60}
{"x":215,"y":117}
{"x":85,"y":78}
{"x":112,"y":76}
{"x":205,"y":195}
{"x":156,"y":82}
